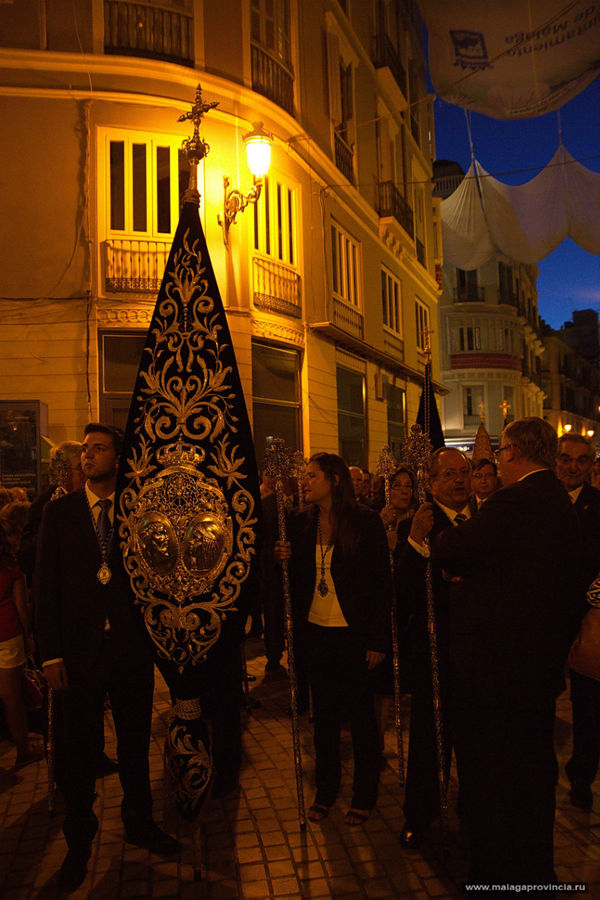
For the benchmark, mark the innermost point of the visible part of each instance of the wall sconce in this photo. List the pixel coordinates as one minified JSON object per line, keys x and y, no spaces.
{"x":566,"y":428}
{"x":258,"y":154}
{"x":590,"y":432}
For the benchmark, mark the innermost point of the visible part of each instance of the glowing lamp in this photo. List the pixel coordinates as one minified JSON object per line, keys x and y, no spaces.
{"x":258,"y":154}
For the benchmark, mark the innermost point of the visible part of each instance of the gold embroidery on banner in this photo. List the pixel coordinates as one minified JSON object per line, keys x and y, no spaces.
{"x":187,"y":534}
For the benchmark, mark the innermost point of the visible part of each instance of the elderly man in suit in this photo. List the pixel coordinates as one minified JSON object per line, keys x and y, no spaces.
{"x":450,"y":486}
{"x":573,"y":466}
{"x":92,"y":640}
{"x":516,"y":564}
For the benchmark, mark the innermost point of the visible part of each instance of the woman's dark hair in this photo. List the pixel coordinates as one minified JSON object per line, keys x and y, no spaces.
{"x":402,"y":470}
{"x":111,"y":430}
{"x":13,"y":517}
{"x":342,"y":498}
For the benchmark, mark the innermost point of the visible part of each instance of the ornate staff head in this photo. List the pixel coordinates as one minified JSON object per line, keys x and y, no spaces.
{"x":59,"y":472}
{"x":386,"y":467}
{"x":417,"y":452}
{"x":279,"y":462}
{"x":299,"y":471}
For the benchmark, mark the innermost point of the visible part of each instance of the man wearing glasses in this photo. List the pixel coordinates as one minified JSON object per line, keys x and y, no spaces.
{"x":573,"y":467}
{"x":511,"y":622}
{"x":484,"y":479}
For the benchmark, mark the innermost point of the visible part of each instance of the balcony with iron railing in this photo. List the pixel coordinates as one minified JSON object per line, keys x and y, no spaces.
{"x":272,"y":79}
{"x":468,"y":293}
{"x":344,"y":156}
{"x":445,"y":185}
{"x":386,"y":55}
{"x":149,"y":29}
{"x":276,"y":288}
{"x":348,"y":319}
{"x":134,"y":265}
{"x":508,"y":295}
{"x":392,"y":203}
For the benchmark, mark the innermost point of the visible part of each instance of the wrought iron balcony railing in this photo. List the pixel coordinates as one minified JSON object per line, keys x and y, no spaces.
{"x":387,"y":55}
{"x":277,"y":288}
{"x":344,"y":157}
{"x":148,"y":29}
{"x":347,"y":318}
{"x":272,"y":79}
{"x":132,"y":265}
{"x":468,"y":293}
{"x":507,"y":295}
{"x":392,"y":203}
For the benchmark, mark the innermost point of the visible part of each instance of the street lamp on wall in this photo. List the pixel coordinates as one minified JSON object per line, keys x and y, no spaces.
{"x":258,"y":153}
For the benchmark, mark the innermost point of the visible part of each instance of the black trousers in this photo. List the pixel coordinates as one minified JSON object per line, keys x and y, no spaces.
{"x":271,"y":595}
{"x":422,"y":794}
{"x":507,"y":770}
{"x":130,"y":688}
{"x":585,"y":700}
{"x":337,"y":673}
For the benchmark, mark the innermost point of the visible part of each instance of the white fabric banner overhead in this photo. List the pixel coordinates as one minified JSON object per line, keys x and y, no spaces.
{"x":484,"y":216}
{"x":515,"y":58}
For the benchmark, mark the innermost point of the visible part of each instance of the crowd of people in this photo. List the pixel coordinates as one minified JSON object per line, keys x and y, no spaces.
{"x":496,"y":562}
{"x":507,"y":572}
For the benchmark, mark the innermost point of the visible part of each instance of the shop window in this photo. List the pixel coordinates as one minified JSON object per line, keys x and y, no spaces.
{"x":275,"y":396}
{"x":352,"y":428}
{"x":119,"y":356}
{"x":396,"y":418}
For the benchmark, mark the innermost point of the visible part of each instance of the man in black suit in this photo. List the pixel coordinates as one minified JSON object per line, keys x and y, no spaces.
{"x":450,"y":486}
{"x":511,"y":619}
{"x":573,"y":467}
{"x":66,"y":472}
{"x":92,"y":640}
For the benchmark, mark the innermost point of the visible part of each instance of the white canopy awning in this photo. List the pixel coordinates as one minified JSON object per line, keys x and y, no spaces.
{"x":484,"y":216}
{"x":512,"y":59}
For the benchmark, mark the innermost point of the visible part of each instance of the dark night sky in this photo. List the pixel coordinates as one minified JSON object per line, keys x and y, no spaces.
{"x":569,"y":277}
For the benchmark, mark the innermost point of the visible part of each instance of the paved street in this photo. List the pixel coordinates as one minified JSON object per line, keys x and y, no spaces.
{"x":252,"y":846}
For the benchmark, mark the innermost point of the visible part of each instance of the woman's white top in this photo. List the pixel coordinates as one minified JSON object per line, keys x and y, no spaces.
{"x":326,"y":611}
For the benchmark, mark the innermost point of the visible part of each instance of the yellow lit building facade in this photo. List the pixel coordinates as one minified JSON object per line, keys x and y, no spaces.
{"x":328,"y":280}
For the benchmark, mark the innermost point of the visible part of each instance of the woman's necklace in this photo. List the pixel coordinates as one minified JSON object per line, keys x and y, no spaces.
{"x":322,"y":585}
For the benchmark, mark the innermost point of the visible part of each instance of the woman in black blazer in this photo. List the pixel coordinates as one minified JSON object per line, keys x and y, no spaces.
{"x":340,"y":586}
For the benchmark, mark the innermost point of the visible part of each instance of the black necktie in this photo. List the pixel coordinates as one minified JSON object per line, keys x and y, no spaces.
{"x":103,"y":525}
{"x":459,"y":517}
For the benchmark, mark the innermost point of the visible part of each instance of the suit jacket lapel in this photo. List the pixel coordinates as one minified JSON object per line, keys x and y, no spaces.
{"x":84,"y":521}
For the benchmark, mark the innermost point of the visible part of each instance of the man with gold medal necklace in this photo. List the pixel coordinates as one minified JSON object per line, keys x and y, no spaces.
{"x":92,"y":641}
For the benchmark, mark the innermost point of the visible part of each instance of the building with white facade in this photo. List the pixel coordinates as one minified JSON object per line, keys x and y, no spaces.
{"x":490,"y":340}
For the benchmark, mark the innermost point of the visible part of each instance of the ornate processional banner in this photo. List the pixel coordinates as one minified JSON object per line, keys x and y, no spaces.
{"x":188,"y":491}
